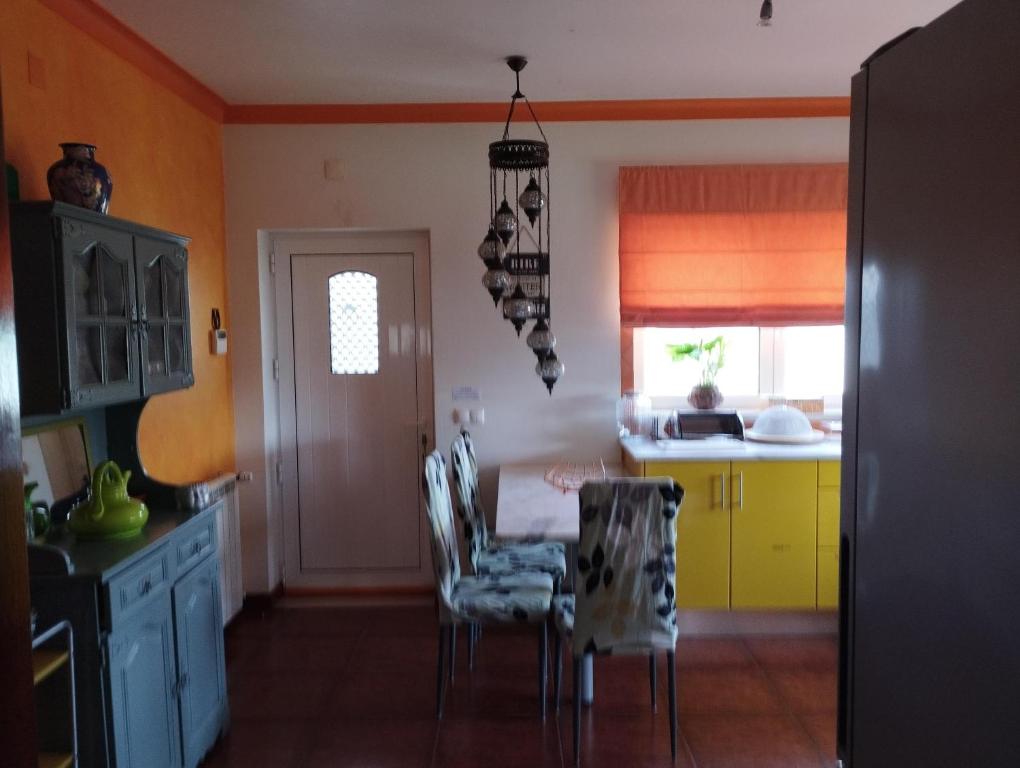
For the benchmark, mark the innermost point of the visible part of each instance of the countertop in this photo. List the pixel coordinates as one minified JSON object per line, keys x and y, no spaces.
{"x":105,"y":559}
{"x":643,"y":449}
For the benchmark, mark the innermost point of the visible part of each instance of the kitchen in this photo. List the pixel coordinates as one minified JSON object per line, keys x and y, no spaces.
{"x":347,"y":172}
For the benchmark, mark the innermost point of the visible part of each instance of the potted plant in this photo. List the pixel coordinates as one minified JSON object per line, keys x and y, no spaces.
{"x":711,"y":354}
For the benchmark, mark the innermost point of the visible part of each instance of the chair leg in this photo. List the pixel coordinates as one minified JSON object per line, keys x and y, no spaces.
{"x":453,"y":650}
{"x":557,"y":670}
{"x":472,"y":628}
{"x":578,"y":672}
{"x":651,"y":679}
{"x":543,"y":665}
{"x":671,"y":674}
{"x":440,"y":676}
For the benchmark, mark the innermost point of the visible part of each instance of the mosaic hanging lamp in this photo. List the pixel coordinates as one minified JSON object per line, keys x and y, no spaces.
{"x":518,"y":275}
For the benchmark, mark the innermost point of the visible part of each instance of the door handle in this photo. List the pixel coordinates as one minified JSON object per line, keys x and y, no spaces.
{"x":740,"y":490}
{"x":722,"y":490}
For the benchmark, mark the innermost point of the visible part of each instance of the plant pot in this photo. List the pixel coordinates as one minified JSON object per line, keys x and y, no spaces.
{"x":705,"y":397}
{"x":79,"y":180}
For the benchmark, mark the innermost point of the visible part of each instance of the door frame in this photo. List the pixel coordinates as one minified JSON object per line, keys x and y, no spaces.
{"x":283,"y":248}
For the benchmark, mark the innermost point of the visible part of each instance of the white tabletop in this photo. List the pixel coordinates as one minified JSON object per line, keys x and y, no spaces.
{"x":529,"y":508}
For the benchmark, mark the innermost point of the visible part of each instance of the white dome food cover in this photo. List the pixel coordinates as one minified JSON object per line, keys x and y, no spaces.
{"x":782,"y":421}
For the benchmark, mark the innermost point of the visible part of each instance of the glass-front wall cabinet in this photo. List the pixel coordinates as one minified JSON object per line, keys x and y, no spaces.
{"x":102,"y":314}
{"x":166,"y":347}
{"x":101,"y":308}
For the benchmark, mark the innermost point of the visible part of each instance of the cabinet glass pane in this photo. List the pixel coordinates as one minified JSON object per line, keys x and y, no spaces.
{"x":154,"y":288}
{"x":117,"y":353}
{"x":156,"y":362}
{"x":86,"y":284}
{"x":176,"y":341}
{"x":115,"y":284}
{"x":174,"y":291}
{"x":90,"y":360}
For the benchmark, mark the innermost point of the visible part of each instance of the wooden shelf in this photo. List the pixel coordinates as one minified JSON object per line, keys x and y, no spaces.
{"x":45,"y":663}
{"x":52,"y":760}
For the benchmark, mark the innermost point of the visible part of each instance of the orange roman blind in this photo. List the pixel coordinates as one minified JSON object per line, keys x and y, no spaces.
{"x":732,"y":245}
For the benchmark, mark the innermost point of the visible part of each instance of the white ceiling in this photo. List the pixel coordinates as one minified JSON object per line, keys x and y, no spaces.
{"x":387,"y":51}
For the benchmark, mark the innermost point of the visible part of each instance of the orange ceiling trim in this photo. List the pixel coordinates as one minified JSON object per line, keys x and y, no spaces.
{"x":100,"y":24}
{"x":548,"y":111}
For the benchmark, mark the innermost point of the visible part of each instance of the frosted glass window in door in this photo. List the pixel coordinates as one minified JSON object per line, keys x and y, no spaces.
{"x":354,"y":323}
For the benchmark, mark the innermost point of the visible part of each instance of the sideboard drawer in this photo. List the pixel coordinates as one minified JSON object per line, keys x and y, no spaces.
{"x":196,"y":543}
{"x":139,"y":585}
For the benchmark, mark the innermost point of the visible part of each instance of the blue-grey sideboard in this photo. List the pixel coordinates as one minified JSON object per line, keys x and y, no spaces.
{"x":149,"y":659}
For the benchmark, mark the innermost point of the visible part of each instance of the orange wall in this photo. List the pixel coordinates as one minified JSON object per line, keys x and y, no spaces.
{"x":166,"y":160}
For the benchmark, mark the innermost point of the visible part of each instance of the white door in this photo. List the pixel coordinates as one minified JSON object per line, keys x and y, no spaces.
{"x":352,"y":513}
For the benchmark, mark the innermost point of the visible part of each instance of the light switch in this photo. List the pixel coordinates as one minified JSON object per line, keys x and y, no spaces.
{"x":477,"y":415}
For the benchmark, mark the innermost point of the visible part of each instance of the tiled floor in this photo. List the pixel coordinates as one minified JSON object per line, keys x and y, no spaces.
{"x":355,"y":687}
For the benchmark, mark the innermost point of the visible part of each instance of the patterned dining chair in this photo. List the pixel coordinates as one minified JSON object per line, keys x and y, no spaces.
{"x":510,"y":599}
{"x":487,"y":556}
{"x":625,"y":584}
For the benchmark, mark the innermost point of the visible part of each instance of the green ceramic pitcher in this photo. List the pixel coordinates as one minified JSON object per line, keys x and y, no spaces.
{"x":109,"y":513}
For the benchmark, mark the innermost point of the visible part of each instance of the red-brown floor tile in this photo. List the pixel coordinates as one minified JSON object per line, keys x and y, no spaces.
{"x":374,"y":743}
{"x":498,"y":743}
{"x":297,"y":653}
{"x":321,"y":621}
{"x":822,"y":729}
{"x":712,"y":652}
{"x":806,"y":691}
{"x":289,"y":695}
{"x":820,"y":651}
{"x":614,"y":742}
{"x":386,"y":678}
{"x":726,"y":690}
{"x":727,"y":741}
{"x":275,"y":743}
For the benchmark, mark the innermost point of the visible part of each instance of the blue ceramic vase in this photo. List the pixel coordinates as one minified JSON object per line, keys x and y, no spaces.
{"x":79,"y":180}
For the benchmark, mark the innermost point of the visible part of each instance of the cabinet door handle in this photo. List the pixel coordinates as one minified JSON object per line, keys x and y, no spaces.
{"x":722,"y":490}
{"x":740,"y":490}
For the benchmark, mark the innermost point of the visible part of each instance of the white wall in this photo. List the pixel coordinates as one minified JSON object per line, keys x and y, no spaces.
{"x":435,"y":177}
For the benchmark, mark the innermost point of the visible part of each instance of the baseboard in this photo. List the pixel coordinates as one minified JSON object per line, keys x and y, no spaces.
{"x":694,"y":623}
{"x":259,"y":603}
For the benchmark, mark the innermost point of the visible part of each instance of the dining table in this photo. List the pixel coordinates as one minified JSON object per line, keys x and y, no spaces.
{"x":530,"y":507}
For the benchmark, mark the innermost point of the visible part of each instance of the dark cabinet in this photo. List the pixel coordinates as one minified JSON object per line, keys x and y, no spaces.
{"x":101,"y":308}
{"x":199,"y":632}
{"x":144,"y":688}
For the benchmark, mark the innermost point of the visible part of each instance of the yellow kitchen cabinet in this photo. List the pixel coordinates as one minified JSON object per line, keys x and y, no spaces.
{"x":828,"y":534}
{"x":703,"y":532}
{"x":828,"y":577}
{"x":773,"y":527}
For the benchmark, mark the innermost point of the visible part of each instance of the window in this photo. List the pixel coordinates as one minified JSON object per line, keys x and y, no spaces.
{"x":353,"y":323}
{"x":760,"y":362}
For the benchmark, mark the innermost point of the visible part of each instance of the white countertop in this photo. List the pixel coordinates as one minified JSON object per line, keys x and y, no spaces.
{"x":645,"y":449}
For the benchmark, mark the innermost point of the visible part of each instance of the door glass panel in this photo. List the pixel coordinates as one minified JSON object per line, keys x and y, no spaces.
{"x":154,"y":288}
{"x":174,"y":290}
{"x":354,"y":323}
{"x":90,"y":360}
{"x":156,"y":363}
{"x":116,"y":353}
{"x":115,"y":284}
{"x":175,"y":342}
{"x":86,"y":284}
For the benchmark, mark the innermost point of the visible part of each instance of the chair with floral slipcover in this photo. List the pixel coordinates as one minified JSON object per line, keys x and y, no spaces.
{"x":624,"y":599}
{"x":489,"y":557}
{"x":510,"y":599}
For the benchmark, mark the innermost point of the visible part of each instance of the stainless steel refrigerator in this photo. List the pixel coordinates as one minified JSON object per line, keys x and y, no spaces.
{"x":930,"y":540}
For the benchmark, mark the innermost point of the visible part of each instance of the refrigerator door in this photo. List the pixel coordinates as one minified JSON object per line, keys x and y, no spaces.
{"x":931,"y":617}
